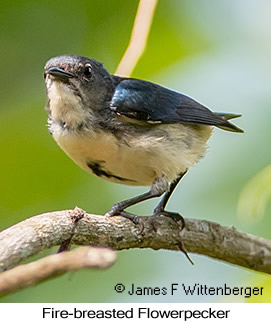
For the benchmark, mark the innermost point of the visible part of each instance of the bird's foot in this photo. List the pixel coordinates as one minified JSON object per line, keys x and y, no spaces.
{"x":159,"y":210}
{"x":173,"y":215}
{"x":117,"y":210}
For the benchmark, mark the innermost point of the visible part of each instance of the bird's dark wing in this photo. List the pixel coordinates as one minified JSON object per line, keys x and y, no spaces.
{"x":145,"y":101}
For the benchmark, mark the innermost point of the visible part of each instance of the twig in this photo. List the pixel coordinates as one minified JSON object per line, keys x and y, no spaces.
{"x":39,"y":270}
{"x":138,"y":38}
{"x":203,"y":237}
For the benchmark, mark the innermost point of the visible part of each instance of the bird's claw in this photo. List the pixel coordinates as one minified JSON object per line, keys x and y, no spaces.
{"x":114,"y":211}
{"x":173,"y":215}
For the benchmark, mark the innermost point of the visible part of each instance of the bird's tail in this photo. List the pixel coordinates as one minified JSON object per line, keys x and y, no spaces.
{"x":228,"y":125}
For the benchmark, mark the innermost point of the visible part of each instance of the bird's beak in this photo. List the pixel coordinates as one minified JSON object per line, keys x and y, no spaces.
{"x":59,"y":73}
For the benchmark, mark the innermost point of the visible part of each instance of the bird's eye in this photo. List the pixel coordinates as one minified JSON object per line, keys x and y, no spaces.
{"x":88,"y":71}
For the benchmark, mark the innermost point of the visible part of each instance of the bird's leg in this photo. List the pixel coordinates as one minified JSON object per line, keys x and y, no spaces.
{"x":159,"y":186}
{"x":160,"y":208}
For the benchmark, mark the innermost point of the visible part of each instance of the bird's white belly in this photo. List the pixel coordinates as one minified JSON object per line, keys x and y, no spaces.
{"x":119,"y":162}
{"x":139,"y":162}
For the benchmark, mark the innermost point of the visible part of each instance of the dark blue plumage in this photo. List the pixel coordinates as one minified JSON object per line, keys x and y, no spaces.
{"x":147,"y":101}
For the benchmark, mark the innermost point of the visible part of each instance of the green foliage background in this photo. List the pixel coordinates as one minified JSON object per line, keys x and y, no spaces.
{"x":215,"y":51}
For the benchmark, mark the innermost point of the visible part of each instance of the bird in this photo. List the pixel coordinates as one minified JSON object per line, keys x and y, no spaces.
{"x":126,"y":130}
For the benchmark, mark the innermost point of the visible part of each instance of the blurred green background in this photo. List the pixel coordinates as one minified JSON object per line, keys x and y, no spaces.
{"x":218,"y":52}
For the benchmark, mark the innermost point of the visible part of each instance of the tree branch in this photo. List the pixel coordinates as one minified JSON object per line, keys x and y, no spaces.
{"x":46,"y":230}
{"x":55,"y":265}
